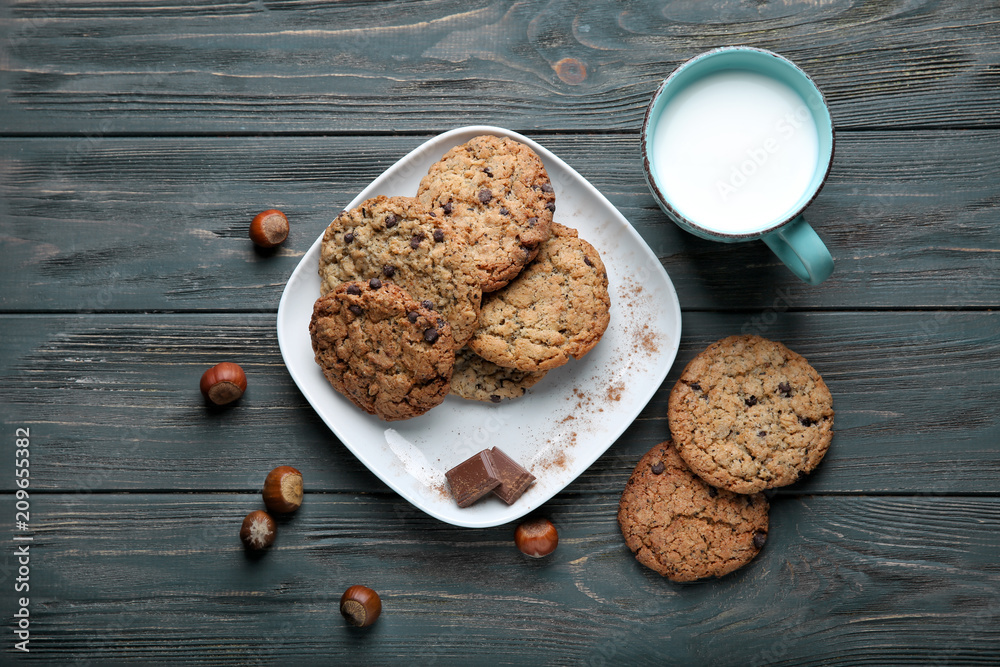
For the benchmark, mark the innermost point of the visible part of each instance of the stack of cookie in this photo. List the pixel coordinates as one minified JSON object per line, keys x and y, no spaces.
{"x":469,"y":287}
{"x":746,"y":415}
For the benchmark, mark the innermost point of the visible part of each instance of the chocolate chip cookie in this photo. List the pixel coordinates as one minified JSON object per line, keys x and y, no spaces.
{"x":749,"y":414}
{"x":681,"y":527}
{"x":476,"y":379}
{"x":556,"y":309}
{"x":395,"y":239}
{"x":496,"y":192}
{"x":383,"y":350}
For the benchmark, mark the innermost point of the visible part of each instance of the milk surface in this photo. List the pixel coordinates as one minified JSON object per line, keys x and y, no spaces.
{"x":735,"y":151}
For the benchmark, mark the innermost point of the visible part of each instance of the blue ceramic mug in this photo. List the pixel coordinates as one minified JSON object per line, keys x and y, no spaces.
{"x":736,"y":143}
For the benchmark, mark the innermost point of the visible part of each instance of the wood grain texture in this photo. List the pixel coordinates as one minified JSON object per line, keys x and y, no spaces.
{"x":841,"y":581}
{"x":113,"y":403}
{"x":161,"y":224}
{"x":251,"y":67}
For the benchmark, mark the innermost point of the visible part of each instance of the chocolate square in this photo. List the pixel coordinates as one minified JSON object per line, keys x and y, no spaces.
{"x":472,"y":479}
{"x":514,"y":479}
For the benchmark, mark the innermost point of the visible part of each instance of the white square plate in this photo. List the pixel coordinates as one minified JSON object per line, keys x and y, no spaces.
{"x":565,"y":422}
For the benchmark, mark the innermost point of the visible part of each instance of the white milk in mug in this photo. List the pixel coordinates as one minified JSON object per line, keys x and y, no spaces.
{"x":735,"y":150}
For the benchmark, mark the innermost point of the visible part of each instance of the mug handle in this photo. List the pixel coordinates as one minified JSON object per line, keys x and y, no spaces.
{"x":800,"y":248}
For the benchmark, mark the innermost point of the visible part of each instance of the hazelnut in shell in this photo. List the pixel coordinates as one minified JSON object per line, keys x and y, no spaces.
{"x":283,"y":490}
{"x":536,"y":538}
{"x":223,"y":383}
{"x":360,"y":606}
{"x":258,"y":531}
{"x":269,"y":228}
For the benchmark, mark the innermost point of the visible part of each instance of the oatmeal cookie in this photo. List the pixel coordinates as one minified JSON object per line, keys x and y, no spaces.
{"x":381,"y":349}
{"x":556,"y":309}
{"x":396,"y":240}
{"x":749,"y":414}
{"x":681,"y":527}
{"x":496,"y":192}
{"x":476,"y":379}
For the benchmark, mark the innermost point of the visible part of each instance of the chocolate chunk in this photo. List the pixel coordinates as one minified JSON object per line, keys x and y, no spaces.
{"x":712,"y":492}
{"x":485,"y":195}
{"x":354,"y":308}
{"x":427,"y":304}
{"x":430,"y":335}
{"x":785,"y":389}
{"x":759,"y":538}
{"x":514,"y":479}
{"x":751,"y":401}
{"x":390,"y":221}
{"x":762,"y":434}
{"x":472,"y":479}
{"x":412,"y":316}
{"x":353,"y":289}
{"x":494,"y":398}
{"x":375,"y":283}
{"x":415,"y":241}
{"x":586,"y":260}
{"x":504,"y":210}
{"x":546,"y":187}
{"x":657,"y":468}
{"x":695,"y":386}
{"x":349,"y":237}
{"x":805,"y":421}
{"x":388,"y":270}
{"x":447,"y":208}
{"x":438,"y":235}
{"x":551,"y":206}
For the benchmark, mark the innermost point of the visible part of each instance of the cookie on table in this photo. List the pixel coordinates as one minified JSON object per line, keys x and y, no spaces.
{"x":497,"y":193}
{"x":685,"y":529}
{"x":476,"y":379}
{"x":396,"y":240}
{"x":749,"y":414}
{"x":556,"y":309}
{"x":381,"y":349}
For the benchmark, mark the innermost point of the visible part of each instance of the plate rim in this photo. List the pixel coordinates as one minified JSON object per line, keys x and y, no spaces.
{"x":366,"y":193}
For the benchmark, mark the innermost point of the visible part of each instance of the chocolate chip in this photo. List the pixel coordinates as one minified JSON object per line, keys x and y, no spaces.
{"x":485,"y":195}
{"x":762,"y":434}
{"x":712,"y":492}
{"x":388,"y":270}
{"x":805,"y":421}
{"x":412,"y":316}
{"x":427,"y":304}
{"x":486,"y":170}
{"x":348,"y":237}
{"x":390,"y":221}
{"x":440,"y":323}
{"x":430,"y":335}
{"x":546,"y":187}
{"x":802,"y":475}
{"x":695,"y":386}
{"x":759,"y":538}
{"x":551,"y":206}
{"x":532,"y":222}
{"x":750,"y":402}
{"x":353,"y":289}
{"x":447,"y":208}
{"x":354,"y":308}
{"x":657,"y":468}
{"x":586,"y":260}
{"x":438,"y":235}
{"x":415,"y":241}
{"x":374,"y":283}
{"x":494,"y":398}
{"x":504,"y":211}
{"x":785,"y":389}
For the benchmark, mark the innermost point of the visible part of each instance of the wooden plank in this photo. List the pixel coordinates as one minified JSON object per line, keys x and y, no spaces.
{"x":842,"y":580}
{"x":147,"y":224}
{"x":124,"y":67}
{"x":113,"y":403}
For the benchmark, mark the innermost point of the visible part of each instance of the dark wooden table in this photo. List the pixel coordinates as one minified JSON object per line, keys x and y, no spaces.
{"x":137,"y":139}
